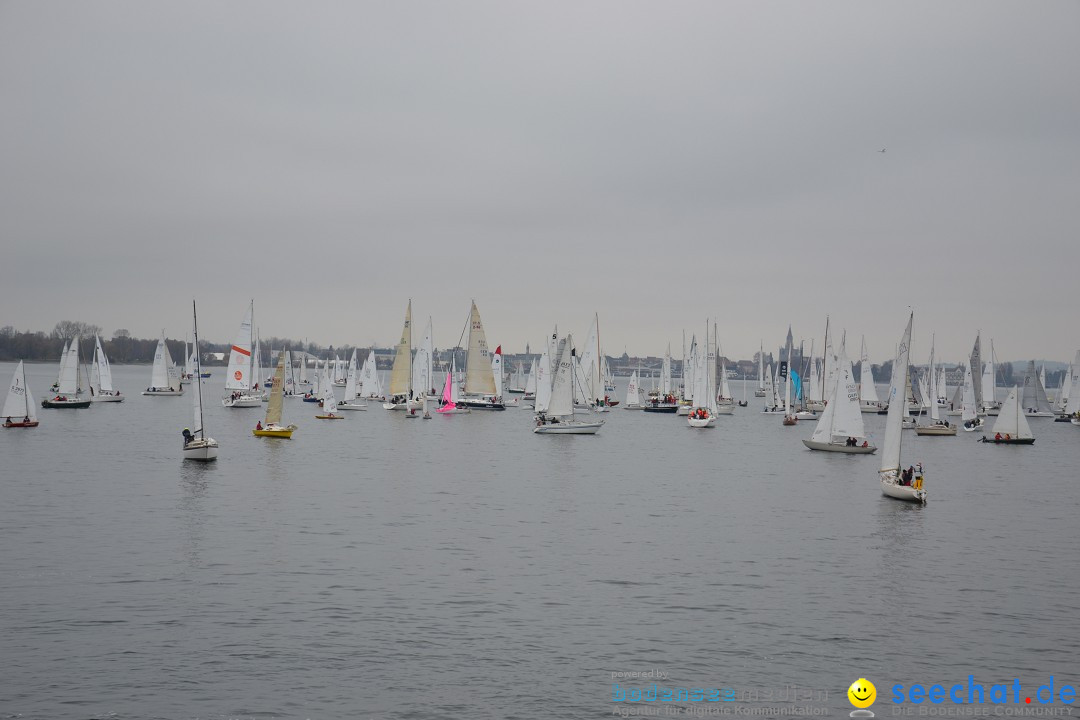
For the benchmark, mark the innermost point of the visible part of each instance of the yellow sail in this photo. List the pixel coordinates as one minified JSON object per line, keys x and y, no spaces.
{"x":401,"y":374}
{"x":277,"y":392}
{"x":479,"y":378}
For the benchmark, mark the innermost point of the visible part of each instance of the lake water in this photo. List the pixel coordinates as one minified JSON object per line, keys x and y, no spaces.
{"x":465,"y":568}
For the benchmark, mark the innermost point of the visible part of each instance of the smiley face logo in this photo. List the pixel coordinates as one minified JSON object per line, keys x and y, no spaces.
{"x":862,"y":693}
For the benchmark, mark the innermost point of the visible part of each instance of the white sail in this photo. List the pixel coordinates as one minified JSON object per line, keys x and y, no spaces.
{"x":19,"y":403}
{"x":69,"y":370}
{"x":102,"y":369}
{"x":689,"y":369}
{"x":665,"y":374}
{"x":932,"y":388}
{"x":543,"y":382}
{"x":369,"y":378}
{"x":239,"y":375}
{"x":350,"y":379}
{"x":423,"y":377}
{"x":842,"y":417}
{"x":590,"y":360}
{"x":633,"y":394}
{"x":1011,"y":420}
{"x":761,"y":367}
{"x":63,"y":359}
{"x":289,"y":383}
{"x":497,"y":370}
{"x":1065,"y":390}
{"x":770,"y":391}
{"x":196,"y":401}
{"x":968,"y":410}
{"x":479,"y":380}
{"x":328,"y":398}
{"x":1042,"y":378}
{"x":942,"y":388}
{"x":890,"y":455}
{"x":700,"y":390}
{"x":530,"y":381}
{"x":401,"y":373}
{"x":159,"y":378}
{"x":302,"y":361}
{"x":725,"y":389}
{"x":561,"y":403}
{"x":1073,"y":406}
{"x":1034,"y":398}
{"x":867,"y":390}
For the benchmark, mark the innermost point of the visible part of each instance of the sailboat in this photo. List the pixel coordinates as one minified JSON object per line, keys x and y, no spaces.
{"x":447,"y":405}
{"x":19,"y":403}
{"x":969,"y":413}
{"x":725,"y":402}
{"x":556,"y":416}
{"x":401,"y":373}
{"x":242,"y":379}
{"x":1071,"y":411}
{"x":164,"y":378}
{"x":63,"y":357}
{"x":101,"y":385}
{"x":480,"y":391}
{"x":273,"y":426}
{"x":785,"y":371}
{"x":868,"y":398}
{"x":197,"y":446}
{"x":1035,"y":402}
{"x":840,"y":427}
{"x":760,"y":391}
{"x":937,"y":426}
{"x":1011,"y":426}
{"x":329,"y":401}
{"x":772,"y":402}
{"x":703,"y":412}
{"x":67,"y":393}
{"x":897,"y":483}
{"x":351,"y":391}
{"x":633,"y":394}
{"x":370,"y":389}
{"x":530,"y":383}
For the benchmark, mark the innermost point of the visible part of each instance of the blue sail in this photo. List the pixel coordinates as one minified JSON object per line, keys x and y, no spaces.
{"x":796,"y":382}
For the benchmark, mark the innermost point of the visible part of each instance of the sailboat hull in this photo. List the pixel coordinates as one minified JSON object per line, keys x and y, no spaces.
{"x":275,"y":431}
{"x":846,"y":449}
{"x":244,"y":401}
{"x":453,"y":411}
{"x":939,"y":430}
{"x":569,"y":428}
{"x":1009,"y":441}
{"x":349,"y":406}
{"x":65,"y":404}
{"x":329,"y":417}
{"x":201,"y":450}
{"x":481,"y":404}
{"x":662,"y":409}
{"x":973,"y":428}
{"x":169,"y":393}
{"x":891,"y":488}
{"x":108,"y":398}
{"x":29,"y":424}
{"x":701,"y":422}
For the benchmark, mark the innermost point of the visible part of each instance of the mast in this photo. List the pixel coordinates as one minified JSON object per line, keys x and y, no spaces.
{"x":198,"y":368}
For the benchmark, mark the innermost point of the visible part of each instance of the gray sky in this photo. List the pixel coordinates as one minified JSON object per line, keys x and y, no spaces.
{"x":657,"y":162}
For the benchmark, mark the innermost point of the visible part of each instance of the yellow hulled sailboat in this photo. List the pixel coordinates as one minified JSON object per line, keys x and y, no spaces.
{"x":273,"y":426}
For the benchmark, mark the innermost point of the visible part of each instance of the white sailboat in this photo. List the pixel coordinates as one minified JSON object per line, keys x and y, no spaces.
{"x":772,"y":400}
{"x":351,"y":392}
{"x":530,"y":382}
{"x":969,"y":412}
{"x":67,"y":386}
{"x":760,"y":391}
{"x":63,"y":358}
{"x":556,"y":417}
{"x":1072,"y":407}
{"x":1035,"y":403}
{"x":840,"y":427}
{"x":242,"y":378}
{"x":329,"y":400}
{"x":868,"y":397}
{"x":633,"y":394}
{"x":703,"y":412}
{"x":897,"y":483}
{"x":1011,"y":426}
{"x":164,"y":379}
{"x":19,"y":411}
{"x":480,"y":389}
{"x":401,"y":373}
{"x":101,"y":384}
{"x":370,"y":388}
{"x":937,"y":426}
{"x":197,"y":445}
{"x":423,"y":379}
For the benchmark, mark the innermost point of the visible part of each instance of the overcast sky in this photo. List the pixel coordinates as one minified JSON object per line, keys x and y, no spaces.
{"x":656,"y":162}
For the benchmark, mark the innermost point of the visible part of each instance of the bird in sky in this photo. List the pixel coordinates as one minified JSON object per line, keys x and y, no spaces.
{"x":881,"y":150}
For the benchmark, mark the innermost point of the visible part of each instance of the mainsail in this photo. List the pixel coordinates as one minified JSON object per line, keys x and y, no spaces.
{"x":479,"y":380}
{"x":400,"y":374}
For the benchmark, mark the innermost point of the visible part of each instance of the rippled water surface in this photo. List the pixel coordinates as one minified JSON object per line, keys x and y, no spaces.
{"x":464,"y":567}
